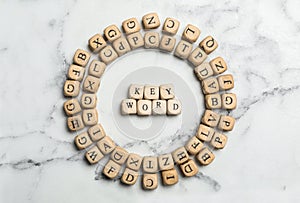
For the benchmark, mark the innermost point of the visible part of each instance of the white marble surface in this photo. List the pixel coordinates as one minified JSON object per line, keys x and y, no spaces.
{"x":259,"y":39}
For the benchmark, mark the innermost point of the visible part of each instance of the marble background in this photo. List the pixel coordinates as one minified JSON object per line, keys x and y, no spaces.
{"x":259,"y":39}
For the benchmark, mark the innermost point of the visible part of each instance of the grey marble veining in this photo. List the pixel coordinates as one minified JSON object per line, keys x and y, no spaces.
{"x":260,"y":40}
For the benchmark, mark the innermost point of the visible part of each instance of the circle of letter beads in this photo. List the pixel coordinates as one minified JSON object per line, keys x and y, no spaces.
{"x":82,"y":115}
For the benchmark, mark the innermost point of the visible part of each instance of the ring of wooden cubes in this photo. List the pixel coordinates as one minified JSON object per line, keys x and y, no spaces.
{"x":145,"y":100}
{"x":81,"y":108}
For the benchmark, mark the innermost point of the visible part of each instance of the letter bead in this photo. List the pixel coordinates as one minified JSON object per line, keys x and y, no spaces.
{"x":134,"y":161}
{"x":183,"y":49}
{"x":144,"y":107}
{"x":76,"y":72}
{"x":218,"y":65}
{"x":96,"y":43}
{"x":129,"y":176}
{"x":150,"y":21}
{"x":151,"y":40}
{"x":218,"y":141}
{"x":88,"y":101}
{"x":106,"y":145}
{"x":112,"y":33}
{"x":209,"y":44}
{"x":169,"y":177}
{"x":91,"y":84}
{"x":226,"y":123}
{"x":71,"y":88}
{"x":173,"y":107}
{"x":191,"y":33}
{"x":111,"y":169}
{"x":189,"y":168}
{"x":121,"y":46}
{"x":210,"y":85}
{"x":194,"y":145}
{"x":82,"y":141}
{"x":108,"y":54}
{"x":94,"y":155}
{"x":213,"y":101}
{"x":119,"y":155}
{"x":226,"y":82}
{"x":150,"y":164}
{"x":96,"y":132}
{"x":165,"y":162}
{"x":210,"y":118}
{"x":90,"y":116}
{"x":171,"y":26}
{"x":167,"y":91}
{"x":159,"y":107}
{"x":97,"y":68}
{"x":136,"y":91}
{"x":129,"y":106}
{"x":135,"y":40}
{"x":151,"y":92}
{"x":229,"y":101}
{"x":197,"y":56}
{"x":167,"y":43}
{"x":205,"y":133}
{"x":131,"y":25}
{"x":205,"y":156}
{"x":203,"y":71}
{"x":75,"y":123}
{"x":150,"y":181}
{"x":81,"y":57}
{"x":72,"y":107}
{"x":180,"y":155}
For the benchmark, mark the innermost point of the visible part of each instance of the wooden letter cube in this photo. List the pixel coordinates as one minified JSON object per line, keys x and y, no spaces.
{"x":111,"y":169}
{"x":71,"y":88}
{"x":218,"y":65}
{"x":90,"y":116}
{"x":169,"y":177}
{"x":209,"y":44}
{"x":213,"y":101}
{"x":108,"y":54}
{"x":96,"y":43}
{"x":91,"y":84}
{"x":96,"y":132}
{"x":165,"y":162}
{"x":226,"y":123}
{"x":82,"y":141}
{"x":229,"y":101}
{"x":134,"y":162}
{"x":205,"y":133}
{"x":218,"y":141}
{"x":97,"y":68}
{"x":194,"y":145}
{"x":197,"y":56}
{"x":121,"y":46}
{"x":150,"y":164}
{"x":135,"y":40}
{"x":180,"y":155}
{"x":210,"y":85}
{"x":226,"y":82}
{"x":72,"y":107}
{"x":112,"y":33}
{"x":150,"y":181}
{"x":144,"y":107}
{"x":75,"y":123}
{"x":203,"y":71}
{"x":151,"y":21}
{"x":183,"y":49}
{"x":174,"y":107}
{"x":151,"y":40}
{"x":151,"y":92}
{"x":81,"y":57}
{"x":191,"y":33}
{"x":106,"y":145}
{"x":128,"y":106}
{"x":76,"y":72}
{"x":189,"y":168}
{"x":171,"y":26}
{"x":210,"y":118}
{"x":167,"y":91}
{"x":94,"y":155}
{"x":167,"y":43}
{"x":119,"y":155}
{"x":159,"y":107}
{"x":129,"y":176}
{"x":88,"y":101}
{"x":136,"y":91}
{"x":131,"y":25}
{"x":205,"y":156}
